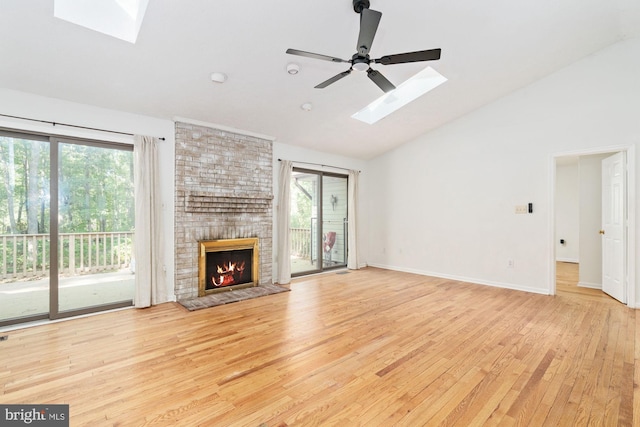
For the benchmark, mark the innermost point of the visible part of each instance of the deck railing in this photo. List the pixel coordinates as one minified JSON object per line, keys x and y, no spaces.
{"x":300,"y":242}
{"x":27,"y":255}
{"x":303,"y":243}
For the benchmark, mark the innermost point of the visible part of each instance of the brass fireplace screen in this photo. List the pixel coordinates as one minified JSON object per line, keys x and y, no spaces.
{"x":228,"y":264}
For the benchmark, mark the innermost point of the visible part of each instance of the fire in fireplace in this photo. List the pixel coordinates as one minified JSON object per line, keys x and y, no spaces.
{"x":226,"y":268}
{"x":227,"y":264}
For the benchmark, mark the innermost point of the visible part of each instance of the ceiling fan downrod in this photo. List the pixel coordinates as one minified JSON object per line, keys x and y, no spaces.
{"x":358,"y":5}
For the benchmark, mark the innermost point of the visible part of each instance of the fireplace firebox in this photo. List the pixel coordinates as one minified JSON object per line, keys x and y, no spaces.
{"x":227,"y":264}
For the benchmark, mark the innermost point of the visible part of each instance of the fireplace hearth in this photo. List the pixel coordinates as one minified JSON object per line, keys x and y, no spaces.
{"x":227,"y":264}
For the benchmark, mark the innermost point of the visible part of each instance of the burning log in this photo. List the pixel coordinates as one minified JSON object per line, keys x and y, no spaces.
{"x":229,"y":274}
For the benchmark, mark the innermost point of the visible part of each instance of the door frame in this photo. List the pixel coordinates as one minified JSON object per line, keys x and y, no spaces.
{"x":631,"y":214}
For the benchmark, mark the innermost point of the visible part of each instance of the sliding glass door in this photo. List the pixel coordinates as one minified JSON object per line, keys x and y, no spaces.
{"x":66,"y":218}
{"x":95,"y":226}
{"x":24,"y":227}
{"x":318,"y":228}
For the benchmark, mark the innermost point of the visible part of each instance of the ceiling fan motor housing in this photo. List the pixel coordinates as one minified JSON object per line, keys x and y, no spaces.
{"x":358,"y":5}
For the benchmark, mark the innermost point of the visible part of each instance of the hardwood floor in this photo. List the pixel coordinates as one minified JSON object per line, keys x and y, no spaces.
{"x":567,"y":282}
{"x":371,"y":348}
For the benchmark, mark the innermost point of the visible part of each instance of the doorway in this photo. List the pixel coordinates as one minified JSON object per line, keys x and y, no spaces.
{"x":318,"y":221}
{"x":575,"y":236}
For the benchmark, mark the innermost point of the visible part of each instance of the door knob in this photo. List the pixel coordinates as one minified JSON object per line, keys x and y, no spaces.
{"x":601,"y":231}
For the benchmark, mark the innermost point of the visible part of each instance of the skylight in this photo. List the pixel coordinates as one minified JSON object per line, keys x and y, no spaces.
{"x":408,"y":91}
{"x":117,"y":18}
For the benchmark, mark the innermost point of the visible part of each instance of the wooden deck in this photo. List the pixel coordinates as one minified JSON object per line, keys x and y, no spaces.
{"x":371,"y":348}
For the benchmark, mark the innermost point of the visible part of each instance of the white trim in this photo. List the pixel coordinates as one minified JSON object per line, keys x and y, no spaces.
{"x":590,"y":151}
{"x":631,"y":227}
{"x":631,"y":212}
{"x":510,"y":286}
{"x":590,"y":285}
{"x":551,"y":228}
{"x":223,"y":128}
{"x":569,"y":260}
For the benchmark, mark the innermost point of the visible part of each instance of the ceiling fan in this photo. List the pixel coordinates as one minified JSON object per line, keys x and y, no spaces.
{"x":360,"y":61}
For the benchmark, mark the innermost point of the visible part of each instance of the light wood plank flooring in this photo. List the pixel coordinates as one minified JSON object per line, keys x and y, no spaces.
{"x":368,"y":348}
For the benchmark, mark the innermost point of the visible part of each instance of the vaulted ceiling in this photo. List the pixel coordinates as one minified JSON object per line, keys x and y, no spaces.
{"x":489,"y":49}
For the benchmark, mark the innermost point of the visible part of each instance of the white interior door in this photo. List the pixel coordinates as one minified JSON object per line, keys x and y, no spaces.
{"x":614,"y":226}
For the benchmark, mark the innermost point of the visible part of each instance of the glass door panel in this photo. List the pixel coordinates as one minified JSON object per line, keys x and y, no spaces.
{"x":95,"y":226}
{"x":24,"y":228}
{"x":334,"y":221}
{"x":304,"y":231}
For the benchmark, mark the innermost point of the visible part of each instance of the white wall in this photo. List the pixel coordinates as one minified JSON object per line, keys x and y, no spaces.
{"x":444,"y":203}
{"x":297,"y":155}
{"x":37,"y":107}
{"x":567,"y":213}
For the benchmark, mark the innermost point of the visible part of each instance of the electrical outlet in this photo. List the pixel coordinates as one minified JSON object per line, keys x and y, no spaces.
{"x":522,"y":209}
{"x":510,"y":263}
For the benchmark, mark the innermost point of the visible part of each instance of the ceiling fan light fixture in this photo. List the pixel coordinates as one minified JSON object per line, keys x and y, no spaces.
{"x":360,"y":66}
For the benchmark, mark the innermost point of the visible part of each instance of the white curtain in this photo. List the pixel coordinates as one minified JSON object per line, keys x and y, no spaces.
{"x":149,"y":277}
{"x":352,"y":209}
{"x":284,"y":243}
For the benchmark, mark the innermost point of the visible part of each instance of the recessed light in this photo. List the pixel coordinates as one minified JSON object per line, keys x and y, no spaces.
{"x":293,"y":68}
{"x":218,"y":77}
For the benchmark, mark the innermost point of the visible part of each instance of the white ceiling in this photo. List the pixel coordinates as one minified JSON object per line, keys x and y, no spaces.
{"x":489,"y":49}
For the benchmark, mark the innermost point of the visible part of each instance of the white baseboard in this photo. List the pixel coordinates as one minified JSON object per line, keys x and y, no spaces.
{"x":571,"y":260}
{"x":463,"y":279}
{"x":590,"y":285}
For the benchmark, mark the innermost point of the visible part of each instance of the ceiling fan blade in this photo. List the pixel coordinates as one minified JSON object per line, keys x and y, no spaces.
{"x":369,"y":20}
{"x":401,"y":58}
{"x":333,"y":79}
{"x":380,"y":80}
{"x":314,"y":55}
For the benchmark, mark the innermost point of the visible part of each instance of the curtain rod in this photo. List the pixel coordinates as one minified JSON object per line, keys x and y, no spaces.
{"x":68,"y":125}
{"x":321,"y":165}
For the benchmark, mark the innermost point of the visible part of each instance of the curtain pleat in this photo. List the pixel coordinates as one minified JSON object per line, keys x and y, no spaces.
{"x":352,"y":208}
{"x":150,"y":286}
{"x":283,"y":222}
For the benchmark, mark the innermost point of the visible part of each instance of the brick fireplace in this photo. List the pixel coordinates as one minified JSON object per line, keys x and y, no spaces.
{"x":224,"y":190}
